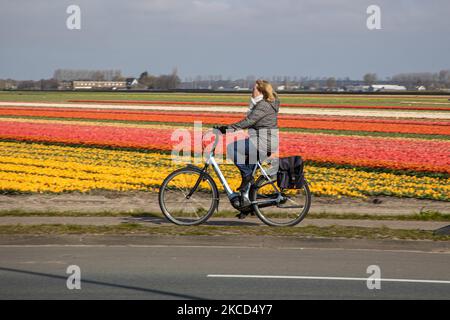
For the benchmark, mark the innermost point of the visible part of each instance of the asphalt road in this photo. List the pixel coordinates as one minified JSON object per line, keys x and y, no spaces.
{"x":219,"y":272}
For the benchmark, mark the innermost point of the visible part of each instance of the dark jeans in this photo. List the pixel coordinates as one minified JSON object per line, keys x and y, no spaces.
{"x":244,"y":155}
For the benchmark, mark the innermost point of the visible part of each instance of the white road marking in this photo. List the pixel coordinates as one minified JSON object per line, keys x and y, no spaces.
{"x":249,"y":276}
{"x":303,"y":111}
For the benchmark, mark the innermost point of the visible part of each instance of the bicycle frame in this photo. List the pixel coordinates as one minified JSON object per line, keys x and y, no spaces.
{"x":275,"y":199}
{"x":212,"y":161}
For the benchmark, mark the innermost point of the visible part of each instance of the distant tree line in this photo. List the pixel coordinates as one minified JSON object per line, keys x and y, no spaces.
{"x":432,"y":81}
{"x":161,"y":82}
{"x":217,"y":82}
{"x":61,"y":77}
{"x":43,"y":84}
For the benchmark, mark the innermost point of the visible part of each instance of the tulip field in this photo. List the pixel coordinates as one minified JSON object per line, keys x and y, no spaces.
{"x":353,"y":146}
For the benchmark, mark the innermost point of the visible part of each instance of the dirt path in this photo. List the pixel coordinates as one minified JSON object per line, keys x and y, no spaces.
{"x":148,"y":202}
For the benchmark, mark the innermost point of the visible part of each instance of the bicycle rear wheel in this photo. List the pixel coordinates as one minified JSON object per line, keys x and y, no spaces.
{"x":178,"y":206}
{"x":289,"y":212}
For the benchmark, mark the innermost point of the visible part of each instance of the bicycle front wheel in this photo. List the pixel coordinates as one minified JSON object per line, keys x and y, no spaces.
{"x":289,"y":212}
{"x":178,"y":206}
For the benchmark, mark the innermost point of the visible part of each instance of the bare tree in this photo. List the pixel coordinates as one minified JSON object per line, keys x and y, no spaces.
{"x":370,"y":78}
{"x":76,"y":74}
{"x":331,"y":82}
{"x":147,"y":80}
{"x":98,"y":76}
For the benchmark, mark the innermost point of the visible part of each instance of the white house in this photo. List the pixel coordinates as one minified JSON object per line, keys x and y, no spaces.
{"x":237,"y":88}
{"x":387,"y":87}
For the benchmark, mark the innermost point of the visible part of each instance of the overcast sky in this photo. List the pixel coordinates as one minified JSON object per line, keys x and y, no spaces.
{"x":232,"y":38}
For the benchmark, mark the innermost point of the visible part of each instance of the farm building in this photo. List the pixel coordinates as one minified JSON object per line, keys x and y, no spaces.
{"x":91,"y":84}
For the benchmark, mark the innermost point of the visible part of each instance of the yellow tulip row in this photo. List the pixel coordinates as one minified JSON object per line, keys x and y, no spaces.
{"x":34,"y":167}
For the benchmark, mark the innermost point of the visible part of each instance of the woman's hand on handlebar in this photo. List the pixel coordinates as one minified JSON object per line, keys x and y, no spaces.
{"x":222,"y":129}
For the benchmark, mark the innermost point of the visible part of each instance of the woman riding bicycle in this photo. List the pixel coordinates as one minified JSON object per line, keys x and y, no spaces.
{"x":262,"y":124}
{"x":189,"y":196}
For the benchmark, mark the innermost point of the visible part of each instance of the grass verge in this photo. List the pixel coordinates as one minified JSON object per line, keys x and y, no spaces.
{"x":303,"y":232}
{"x":421,"y":216}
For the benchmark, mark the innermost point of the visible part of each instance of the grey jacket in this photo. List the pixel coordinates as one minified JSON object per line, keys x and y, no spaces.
{"x":262,"y":122}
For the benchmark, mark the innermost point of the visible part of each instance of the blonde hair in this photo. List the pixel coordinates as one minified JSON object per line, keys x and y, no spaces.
{"x":266,"y":89}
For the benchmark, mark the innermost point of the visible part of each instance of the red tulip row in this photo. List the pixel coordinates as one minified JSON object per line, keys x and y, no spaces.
{"x":285,"y":121}
{"x":395,"y":153}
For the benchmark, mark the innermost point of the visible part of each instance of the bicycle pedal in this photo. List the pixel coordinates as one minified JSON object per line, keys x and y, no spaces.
{"x":241,"y":215}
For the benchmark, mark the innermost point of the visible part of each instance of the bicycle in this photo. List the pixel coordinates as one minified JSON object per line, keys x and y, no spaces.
{"x":189,"y":196}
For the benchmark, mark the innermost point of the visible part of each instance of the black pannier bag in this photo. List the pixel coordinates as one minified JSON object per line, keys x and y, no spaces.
{"x":290,"y":173}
